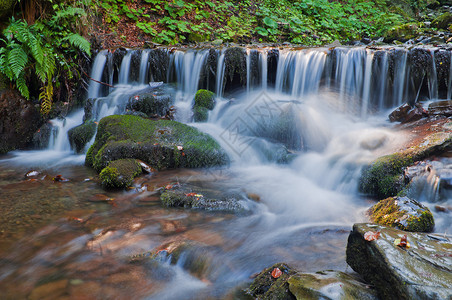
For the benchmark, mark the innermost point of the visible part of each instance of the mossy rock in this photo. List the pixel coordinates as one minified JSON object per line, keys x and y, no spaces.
{"x":402,"y":213}
{"x":200,"y":114}
{"x":205,"y":98}
{"x":443,"y":21}
{"x":80,"y":135}
{"x":402,"y":32}
{"x":162,"y":144}
{"x":120,"y":173}
{"x":265,"y":286}
{"x":384,"y":177}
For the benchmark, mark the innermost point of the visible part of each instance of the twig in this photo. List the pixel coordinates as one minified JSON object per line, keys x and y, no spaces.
{"x":104,"y":83}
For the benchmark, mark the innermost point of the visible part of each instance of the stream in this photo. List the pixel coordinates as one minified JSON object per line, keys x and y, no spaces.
{"x":72,"y":239}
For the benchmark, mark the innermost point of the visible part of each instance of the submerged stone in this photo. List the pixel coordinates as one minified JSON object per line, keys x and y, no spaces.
{"x":422,"y":271}
{"x":120,"y":173}
{"x":162,"y":144}
{"x":402,"y":213}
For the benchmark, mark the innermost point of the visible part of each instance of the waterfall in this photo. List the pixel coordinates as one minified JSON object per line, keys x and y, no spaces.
{"x":264,"y":68}
{"x":219,"y":87}
{"x":367,"y":83}
{"x":433,"y":79}
{"x":449,"y":85}
{"x":96,"y":73}
{"x":125,"y":69}
{"x":399,"y":77}
{"x":144,"y":66}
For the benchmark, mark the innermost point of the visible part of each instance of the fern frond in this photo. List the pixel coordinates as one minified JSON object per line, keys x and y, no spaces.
{"x":17,"y":59}
{"x":4,"y":64}
{"x":36,"y":50}
{"x":46,"y":96}
{"x":19,"y":29}
{"x":21,"y":85}
{"x":79,"y":42}
{"x":68,"y":12}
{"x":49,"y":63}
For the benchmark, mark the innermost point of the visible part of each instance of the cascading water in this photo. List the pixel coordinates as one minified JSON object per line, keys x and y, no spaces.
{"x":299,"y":146}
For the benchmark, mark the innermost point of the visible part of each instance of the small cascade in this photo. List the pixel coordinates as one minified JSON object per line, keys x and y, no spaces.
{"x":400,"y":68}
{"x":125,"y":68}
{"x":263,"y":69}
{"x":367,"y":82}
{"x":220,"y":75}
{"x":144,"y":67}
{"x":96,"y":73}
{"x":433,"y":78}
{"x":382,"y":80}
{"x":449,"y":85}
{"x":248,"y":70}
{"x":187,"y":67}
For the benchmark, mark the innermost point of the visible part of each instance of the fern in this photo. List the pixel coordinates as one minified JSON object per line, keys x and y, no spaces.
{"x":46,"y":96}
{"x":79,"y":42}
{"x":66,"y":13}
{"x":17,"y":59}
{"x":21,"y":85}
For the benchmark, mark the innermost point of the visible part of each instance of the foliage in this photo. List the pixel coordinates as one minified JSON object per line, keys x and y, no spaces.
{"x":310,"y":22}
{"x":47,"y":49}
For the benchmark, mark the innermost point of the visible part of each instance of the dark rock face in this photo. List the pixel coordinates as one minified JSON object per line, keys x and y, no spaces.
{"x":162,"y":144}
{"x":235,"y":68}
{"x":19,"y":120}
{"x":41,"y":138}
{"x":80,"y":136}
{"x":402,"y":213}
{"x":422,"y":271}
{"x":154,"y":102}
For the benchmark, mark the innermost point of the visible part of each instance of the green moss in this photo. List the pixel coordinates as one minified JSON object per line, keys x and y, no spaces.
{"x":267,"y":287}
{"x":384,"y":177}
{"x":205,"y":98}
{"x":443,"y":21}
{"x":402,"y":213}
{"x":154,"y":142}
{"x":403,"y":32}
{"x":120,"y":173}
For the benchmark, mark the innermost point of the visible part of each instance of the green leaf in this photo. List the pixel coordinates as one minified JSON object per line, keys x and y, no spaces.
{"x":270,"y":22}
{"x":79,"y":42}
{"x":18,"y":59}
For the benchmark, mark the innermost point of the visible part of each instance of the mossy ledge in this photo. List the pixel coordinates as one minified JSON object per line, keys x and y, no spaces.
{"x":384,"y":177}
{"x":402,"y":213}
{"x":163,"y":144}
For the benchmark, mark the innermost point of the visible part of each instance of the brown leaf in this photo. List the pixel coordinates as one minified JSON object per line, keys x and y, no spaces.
{"x":276,"y":273}
{"x":371,"y":235}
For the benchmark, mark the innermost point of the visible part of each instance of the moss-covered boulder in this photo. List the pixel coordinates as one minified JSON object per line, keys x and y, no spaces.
{"x":402,"y":213}
{"x":120,"y":173}
{"x":402,"y":32}
{"x":204,"y":101}
{"x":266,"y":286}
{"x":422,"y":271}
{"x":162,"y":144}
{"x":384,"y":177}
{"x":80,"y":135}
{"x":443,"y":21}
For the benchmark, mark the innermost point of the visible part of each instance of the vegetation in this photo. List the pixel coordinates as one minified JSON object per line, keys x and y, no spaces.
{"x":43,"y":51}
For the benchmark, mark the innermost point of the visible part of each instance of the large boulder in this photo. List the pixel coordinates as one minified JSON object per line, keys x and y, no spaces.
{"x":402,"y":213}
{"x":162,"y":144}
{"x":443,"y":21}
{"x":421,"y":271}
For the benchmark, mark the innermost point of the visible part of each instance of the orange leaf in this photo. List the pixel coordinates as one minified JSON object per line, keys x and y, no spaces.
{"x":168,"y":187}
{"x":371,"y":236}
{"x":276,"y":273}
{"x":190,"y":194}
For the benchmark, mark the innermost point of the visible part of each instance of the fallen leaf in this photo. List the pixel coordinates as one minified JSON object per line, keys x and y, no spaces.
{"x":59,"y":178}
{"x":276,"y":273}
{"x":168,"y":187}
{"x":402,"y":242}
{"x":371,"y":235}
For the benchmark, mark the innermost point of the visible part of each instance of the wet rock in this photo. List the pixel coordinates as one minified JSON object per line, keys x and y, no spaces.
{"x":80,"y":136}
{"x":407,"y":113}
{"x":265,"y":286}
{"x":329,"y":285}
{"x":384,"y":177}
{"x":198,"y":198}
{"x":51,"y":290}
{"x":19,"y":120}
{"x":154,"y":102}
{"x":443,"y":108}
{"x":419,"y":272}
{"x":235,"y":67}
{"x":41,"y":138}
{"x":402,"y":213}
{"x":204,"y":101}
{"x":162,"y":144}
{"x":120,"y":173}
